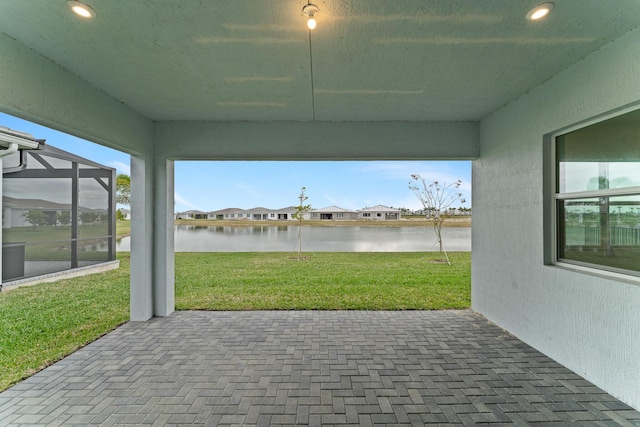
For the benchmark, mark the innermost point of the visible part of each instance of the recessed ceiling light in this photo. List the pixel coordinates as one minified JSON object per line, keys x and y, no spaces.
{"x":539,"y":12}
{"x":81,"y":9}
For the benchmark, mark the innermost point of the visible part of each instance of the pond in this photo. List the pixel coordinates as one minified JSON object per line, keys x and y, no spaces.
{"x":190,"y":238}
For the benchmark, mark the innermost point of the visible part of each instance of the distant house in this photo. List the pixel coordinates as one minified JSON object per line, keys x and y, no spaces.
{"x":380,"y":213}
{"x":285,"y":213}
{"x":126,"y":213}
{"x":227,"y":214}
{"x":333,"y":213}
{"x":14,"y":211}
{"x":259,"y":213}
{"x":254,"y":214}
{"x":193,"y":214}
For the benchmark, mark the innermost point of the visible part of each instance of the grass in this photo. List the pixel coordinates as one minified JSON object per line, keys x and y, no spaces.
{"x":43,"y":323}
{"x":123,"y":228}
{"x":53,"y":243}
{"x":52,"y":233}
{"x":326,"y":281}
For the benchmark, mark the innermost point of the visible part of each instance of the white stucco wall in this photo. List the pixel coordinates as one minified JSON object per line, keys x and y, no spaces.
{"x":588,"y":323}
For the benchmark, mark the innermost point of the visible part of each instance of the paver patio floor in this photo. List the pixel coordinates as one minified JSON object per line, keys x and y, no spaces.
{"x":310,"y":368}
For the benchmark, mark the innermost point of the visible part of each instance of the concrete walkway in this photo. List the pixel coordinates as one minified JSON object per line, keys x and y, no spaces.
{"x":310,"y":368}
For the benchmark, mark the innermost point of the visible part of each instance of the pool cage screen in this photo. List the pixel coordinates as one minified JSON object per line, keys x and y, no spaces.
{"x":58,"y":213}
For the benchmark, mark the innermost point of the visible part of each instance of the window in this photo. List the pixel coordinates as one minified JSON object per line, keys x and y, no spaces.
{"x":339,"y":215}
{"x":366,"y":215}
{"x":597,"y":195}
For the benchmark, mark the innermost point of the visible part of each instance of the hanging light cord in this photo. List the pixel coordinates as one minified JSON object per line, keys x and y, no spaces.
{"x":313,"y":99}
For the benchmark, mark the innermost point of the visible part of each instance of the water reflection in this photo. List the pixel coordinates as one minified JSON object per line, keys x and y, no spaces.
{"x":190,"y":238}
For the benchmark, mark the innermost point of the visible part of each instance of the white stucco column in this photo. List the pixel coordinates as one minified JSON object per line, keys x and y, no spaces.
{"x":163,"y":259}
{"x":152,"y":270}
{"x":141,"y":287}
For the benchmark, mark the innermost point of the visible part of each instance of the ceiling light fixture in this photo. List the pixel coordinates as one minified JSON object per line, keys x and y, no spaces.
{"x":81,"y":9}
{"x":309,"y":10}
{"x":539,"y":12}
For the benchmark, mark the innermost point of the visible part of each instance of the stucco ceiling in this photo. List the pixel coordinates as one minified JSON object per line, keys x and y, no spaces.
{"x":373,"y":60}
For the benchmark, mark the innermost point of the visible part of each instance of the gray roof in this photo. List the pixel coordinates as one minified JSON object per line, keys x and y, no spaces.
{"x":40,"y":204}
{"x":380,"y":208}
{"x":34,"y":204}
{"x":259,"y":209}
{"x":226,"y":211}
{"x":191,"y":212}
{"x":287,"y":209}
{"x":331,"y":209}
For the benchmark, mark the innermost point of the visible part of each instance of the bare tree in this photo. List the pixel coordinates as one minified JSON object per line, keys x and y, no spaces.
{"x":301,"y":211}
{"x":436,"y":198}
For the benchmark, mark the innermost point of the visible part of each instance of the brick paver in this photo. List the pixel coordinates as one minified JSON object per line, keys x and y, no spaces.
{"x":310,"y":368}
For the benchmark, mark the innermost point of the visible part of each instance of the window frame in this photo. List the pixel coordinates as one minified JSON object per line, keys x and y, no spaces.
{"x":552,"y":198}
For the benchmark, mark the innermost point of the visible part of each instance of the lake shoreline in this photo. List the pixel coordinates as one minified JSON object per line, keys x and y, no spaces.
{"x":254,"y":236}
{"x":123,"y":228}
{"x":454,"y":222}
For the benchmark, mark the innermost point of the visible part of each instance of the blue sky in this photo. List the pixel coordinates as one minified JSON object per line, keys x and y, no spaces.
{"x":213,"y":185}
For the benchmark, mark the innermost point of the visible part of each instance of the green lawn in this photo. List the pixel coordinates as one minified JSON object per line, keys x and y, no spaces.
{"x":123,"y":228}
{"x":326,"y":281}
{"x":43,"y":323}
{"x":52,"y":233}
{"x":53,"y":243}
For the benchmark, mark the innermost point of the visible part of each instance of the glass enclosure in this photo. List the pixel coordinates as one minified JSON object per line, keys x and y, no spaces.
{"x":58,"y":213}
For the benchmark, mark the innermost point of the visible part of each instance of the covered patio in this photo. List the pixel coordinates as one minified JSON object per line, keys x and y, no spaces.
{"x":311,"y":368}
{"x":173,"y":80}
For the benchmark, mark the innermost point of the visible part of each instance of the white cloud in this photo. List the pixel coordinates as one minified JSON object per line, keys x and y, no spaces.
{"x":121,"y":167}
{"x":412,"y":203}
{"x":389,"y":170}
{"x":344,"y":203}
{"x":404,"y":169}
{"x":331,"y":200}
{"x":179,"y":200}
{"x":250,"y":190}
{"x":442,"y":176}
